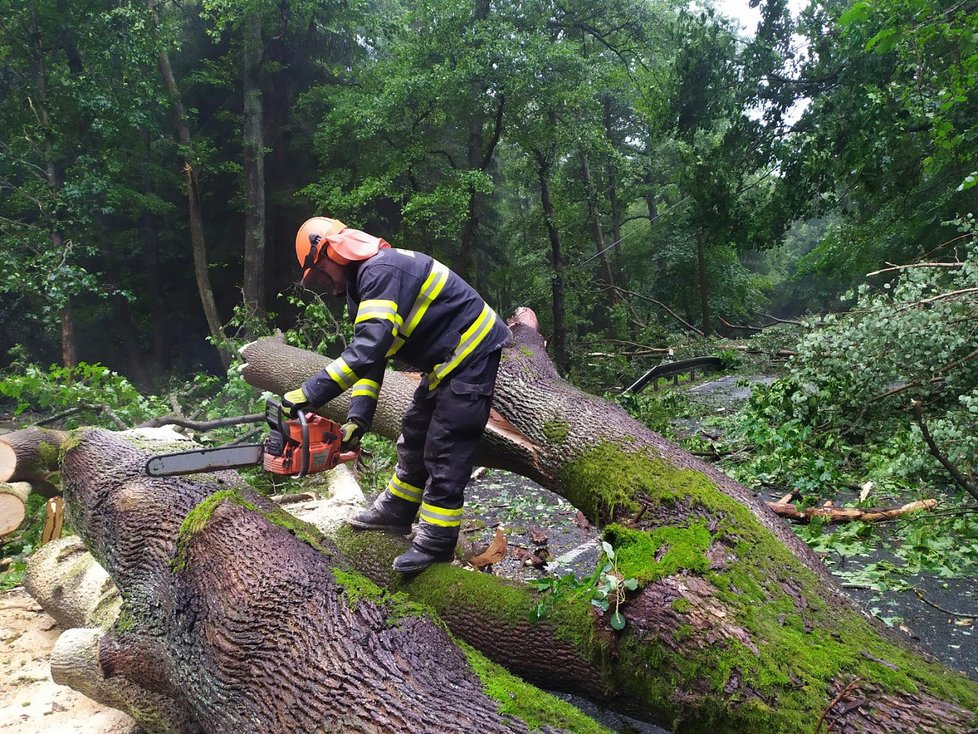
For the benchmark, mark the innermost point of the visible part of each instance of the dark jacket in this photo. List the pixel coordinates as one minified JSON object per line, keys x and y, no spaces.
{"x":406,"y":304}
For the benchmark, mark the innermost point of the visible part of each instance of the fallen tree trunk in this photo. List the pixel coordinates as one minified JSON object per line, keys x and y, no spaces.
{"x":29,"y":455}
{"x":736,"y":625}
{"x":235,"y":617}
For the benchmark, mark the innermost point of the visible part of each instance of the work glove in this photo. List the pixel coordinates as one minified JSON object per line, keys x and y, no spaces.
{"x":292,"y":401}
{"x":350,"y":434}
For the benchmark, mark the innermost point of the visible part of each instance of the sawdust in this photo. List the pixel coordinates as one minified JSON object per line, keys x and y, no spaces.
{"x":30,"y":702}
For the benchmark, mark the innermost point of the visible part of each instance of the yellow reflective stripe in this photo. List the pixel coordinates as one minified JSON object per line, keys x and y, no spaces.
{"x":341,"y":373}
{"x":366,"y":388}
{"x":377,"y":309}
{"x":440,"y":516}
{"x":398,"y":343}
{"x":470,"y":339}
{"x":430,"y":289}
{"x":399,"y":488}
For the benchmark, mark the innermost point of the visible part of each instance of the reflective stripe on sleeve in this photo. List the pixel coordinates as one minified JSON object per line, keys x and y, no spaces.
{"x":366,"y":388}
{"x":341,"y":373}
{"x":430,"y":289}
{"x":470,"y":339}
{"x":440,"y":516}
{"x":399,"y":488}
{"x":377,"y":309}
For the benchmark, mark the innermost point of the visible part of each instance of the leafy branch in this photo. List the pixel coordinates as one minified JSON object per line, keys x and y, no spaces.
{"x":605,"y":589}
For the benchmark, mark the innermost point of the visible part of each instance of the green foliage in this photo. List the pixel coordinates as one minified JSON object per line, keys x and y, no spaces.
{"x":18,"y":547}
{"x":87,"y":394}
{"x":841,"y":415}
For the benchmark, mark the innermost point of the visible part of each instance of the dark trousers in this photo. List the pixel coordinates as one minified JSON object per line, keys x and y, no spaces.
{"x":441,"y":430}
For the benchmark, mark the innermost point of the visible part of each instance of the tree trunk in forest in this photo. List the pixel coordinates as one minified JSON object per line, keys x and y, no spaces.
{"x":236,"y":617}
{"x":557,"y":262}
{"x":612,"y":174}
{"x":53,"y":176}
{"x":729,"y":630}
{"x":196,"y":220}
{"x":13,"y":505}
{"x":478,"y":156}
{"x":594,"y":221}
{"x":704,"y":284}
{"x":736,"y":625}
{"x":254,"y":166}
{"x":139,"y":371}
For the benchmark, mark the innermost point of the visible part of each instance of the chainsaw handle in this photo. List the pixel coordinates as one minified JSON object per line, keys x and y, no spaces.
{"x":304,"y":449}
{"x":347,"y":456}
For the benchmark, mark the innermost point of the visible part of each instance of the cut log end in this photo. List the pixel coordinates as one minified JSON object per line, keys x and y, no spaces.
{"x":13,"y":506}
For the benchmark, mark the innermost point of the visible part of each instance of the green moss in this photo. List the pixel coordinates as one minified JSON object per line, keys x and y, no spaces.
{"x":526,"y":702}
{"x":681,"y":605}
{"x":787,"y":652}
{"x":398,"y":606}
{"x":304,"y":531}
{"x":681,"y":549}
{"x":125,"y":621}
{"x":556,"y":431}
{"x":356,"y":587}
{"x":50,"y":454}
{"x":71,"y":441}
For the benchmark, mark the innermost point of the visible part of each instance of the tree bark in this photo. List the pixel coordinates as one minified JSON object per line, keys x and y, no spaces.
{"x":29,"y":455}
{"x":557,"y":262}
{"x":254,"y":165}
{"x":736,"y":625}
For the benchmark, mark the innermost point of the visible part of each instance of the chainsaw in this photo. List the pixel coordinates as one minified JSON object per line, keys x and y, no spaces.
{"x":306,"y":444}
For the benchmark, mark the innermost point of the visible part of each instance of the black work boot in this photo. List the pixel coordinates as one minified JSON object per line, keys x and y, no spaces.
{"x":389,"y":513}
{"x":432,"y":544}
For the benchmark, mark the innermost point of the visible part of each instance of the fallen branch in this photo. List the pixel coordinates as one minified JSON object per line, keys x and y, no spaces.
{"x":176,"y":420}
{"x":661,"y":305}
{"x":914,"y":265}
{"x":917,"y":408}
{"x":848,"y":514}
{"x":928,"y":602}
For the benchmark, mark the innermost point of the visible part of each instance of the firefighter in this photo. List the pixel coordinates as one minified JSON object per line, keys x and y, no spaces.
{"x":406,"y":304}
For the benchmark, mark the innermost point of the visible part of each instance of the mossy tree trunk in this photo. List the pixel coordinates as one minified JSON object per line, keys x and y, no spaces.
{"x":736,"y":625}
{"x":236,"y":617}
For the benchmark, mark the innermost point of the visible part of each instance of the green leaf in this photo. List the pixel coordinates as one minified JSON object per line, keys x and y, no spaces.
{"x":884,"y":41}
{"x":859,"y":12}
{"x":617,"y":621}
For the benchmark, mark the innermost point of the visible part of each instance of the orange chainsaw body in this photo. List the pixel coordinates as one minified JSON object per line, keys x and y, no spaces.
{"x":322,"y":438}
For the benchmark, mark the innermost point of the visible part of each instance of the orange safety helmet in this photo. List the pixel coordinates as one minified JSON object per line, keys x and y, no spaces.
{"x":341,"y":244}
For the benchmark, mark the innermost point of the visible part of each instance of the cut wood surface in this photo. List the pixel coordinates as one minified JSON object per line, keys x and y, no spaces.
{"x":13,"y":505}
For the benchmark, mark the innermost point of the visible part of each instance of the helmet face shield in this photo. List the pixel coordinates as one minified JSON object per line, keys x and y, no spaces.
{"x":318,"y":281}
